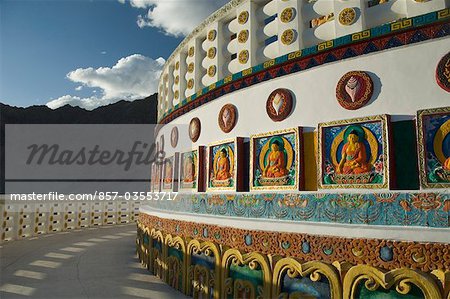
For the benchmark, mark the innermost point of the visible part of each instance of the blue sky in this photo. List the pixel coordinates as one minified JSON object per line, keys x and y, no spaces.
{"x":89,"y":53}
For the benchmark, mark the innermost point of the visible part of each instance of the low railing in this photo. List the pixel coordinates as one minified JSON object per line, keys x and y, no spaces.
{"x":25,"y":219}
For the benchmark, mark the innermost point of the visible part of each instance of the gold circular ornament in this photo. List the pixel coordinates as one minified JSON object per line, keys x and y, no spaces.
{"x":212,"y":35}
{"x":191,"y":52}
{"x":211,"y":53}
{"x":243,"y":56}
{"x":212,"y":70}
{"x":288,"y":36}
{"x":243,"y":36}
{"x":347,"y":16}
{"x":287,"y":15}
{"x":177,"y":79}
{"x":177,"y":65}
{"x":190,"y":84}
{"x":191,"y":67}
{"x":243,"y":17}
{"x":177,"y":94}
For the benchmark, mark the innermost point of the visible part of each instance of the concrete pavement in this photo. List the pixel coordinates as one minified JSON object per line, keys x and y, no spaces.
{"x":89,"y":263}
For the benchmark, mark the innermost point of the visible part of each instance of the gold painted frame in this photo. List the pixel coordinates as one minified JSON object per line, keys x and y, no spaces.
{"x":293,"y":267}
{"x":253,"y":260}
{"x":298,"y":159}
{"x":156,"y":184}
{"x":207,"y":248}
{"x":174,"y":184}
{"x":198,"y":165}
{"x":238,"y":144}
{"x":421,"y":146}
{"x":402,"y":279}
{"x":386,"y":136}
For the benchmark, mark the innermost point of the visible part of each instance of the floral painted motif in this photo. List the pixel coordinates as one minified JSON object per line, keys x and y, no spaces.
{"x":391,"y":208}
{"x":354,"y":153}
{"x":433,"y":126}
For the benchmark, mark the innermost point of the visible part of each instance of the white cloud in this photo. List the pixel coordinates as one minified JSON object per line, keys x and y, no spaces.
{"x":78,"y":88}
{"x":121,"y":1}
{"x":103,"y":52}
{"x":132,"y":77}
{"x":177,"y":18}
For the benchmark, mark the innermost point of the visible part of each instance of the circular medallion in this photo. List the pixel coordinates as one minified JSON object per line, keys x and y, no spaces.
{"x":287,"y":15}
{"x":243,"y":36}
{"x":243,"y":56}
{"x":211,"y":53}
{"x":212,"y":35}
{"x":243,"y":17}
{"x":177,"y":79}
{"x":227,"y":117}
{"x":354,"y":90}
{"x":177,"y":65}
{"x":190,"y":84}
{"x":347,"y":16}
{"x":194,"y":129}
{"x":288,"y":36}
{"x":212,"y":70}
{"x":443,"y":72}
{"x":174,"y":137}
{"x":191,"y":52}
{"x":177,"y":94}
{"x":191,"y":67}
{"x":279,"y":104}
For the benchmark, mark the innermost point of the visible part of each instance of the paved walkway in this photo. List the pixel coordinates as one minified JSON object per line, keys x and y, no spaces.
{"x":89,"y":263}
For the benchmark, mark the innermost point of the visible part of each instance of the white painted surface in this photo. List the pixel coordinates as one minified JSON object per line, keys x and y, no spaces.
{"x":398,"y":233}
{"x":366,"y":18}
{"x":404,"y":82}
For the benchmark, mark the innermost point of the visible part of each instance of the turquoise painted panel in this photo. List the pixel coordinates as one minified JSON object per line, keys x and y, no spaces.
{"x":395,"y":208}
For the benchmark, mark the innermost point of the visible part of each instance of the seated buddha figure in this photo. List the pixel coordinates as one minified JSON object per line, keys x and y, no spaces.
{"x":276,"y":164}
{"x":188,"y":170}
{"x":223,"y":166}
{"x":354,"y":158}
{"x":168,"y":177}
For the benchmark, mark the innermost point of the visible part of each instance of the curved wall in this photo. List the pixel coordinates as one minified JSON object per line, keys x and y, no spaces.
{"x":399,"y":91}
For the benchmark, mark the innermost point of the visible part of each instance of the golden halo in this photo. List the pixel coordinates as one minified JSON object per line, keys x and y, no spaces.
{"x":177,"y":79}
{"x":191,"y":51}
{"x":439,"y":138}
{"x":177,"y":65}
{"x":287,"y":147}
{"x":371,"y":139}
